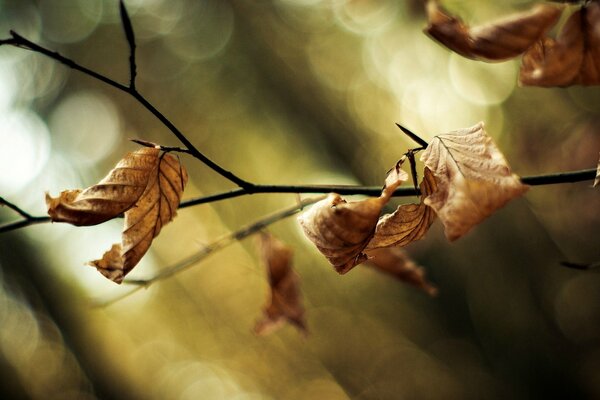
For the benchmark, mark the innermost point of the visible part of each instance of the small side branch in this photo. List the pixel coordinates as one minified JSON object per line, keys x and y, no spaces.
{"x":27,"y":220}
{"x":209,"y":249}
{"x":128,"y":28}
{"x":13,"y":207}
{"x":21,"y":42}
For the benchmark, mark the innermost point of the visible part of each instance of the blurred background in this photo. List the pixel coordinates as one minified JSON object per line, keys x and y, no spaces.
{"x":288,"y":92}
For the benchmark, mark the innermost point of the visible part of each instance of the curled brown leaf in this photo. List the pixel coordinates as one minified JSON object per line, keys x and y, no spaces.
{"x":473,"y":179}
{"x":341,"y":230}
{"x":285,"y":303}
{"x":155,"y":207}
{"x":409,"y":222}
{"x":396,"y":262}
{"x":570,"y":59}
{"x":114,"y":194}
{"x":501,"y":40}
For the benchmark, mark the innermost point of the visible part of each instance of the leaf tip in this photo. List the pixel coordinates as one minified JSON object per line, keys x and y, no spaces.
{"x":111,"y":264}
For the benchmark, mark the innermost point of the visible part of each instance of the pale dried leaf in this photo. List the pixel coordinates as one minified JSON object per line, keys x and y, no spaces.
{"x":341,"y":230}
{"x":285,"y":303}
{"x":573,"y":58}
{"x":155,"y":207}
{"x":114,"y":194}
{"x":408,"y":223}
{"x":473,"y":179}
{"x":396,"y":262}
{"x":597,"y":180}
{"x":111,"y":263}
{"x":501,"y":40}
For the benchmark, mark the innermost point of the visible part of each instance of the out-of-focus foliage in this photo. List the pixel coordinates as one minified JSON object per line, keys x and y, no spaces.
{"x":289,"y":91}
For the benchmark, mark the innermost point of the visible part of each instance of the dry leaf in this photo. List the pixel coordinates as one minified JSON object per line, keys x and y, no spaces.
{"x":473,"y":179}
{"x":156,"y":206}
{"x":597,"y":180}
{"x":395,"y":261}
{"x":114,"y":194}
{"x":111,"y":264}
{"x":501,"y":40}
{"x":573,"y":58}
{"x":408,"y":223}
{"x":341,"y":230}
{"x":285,"y":301}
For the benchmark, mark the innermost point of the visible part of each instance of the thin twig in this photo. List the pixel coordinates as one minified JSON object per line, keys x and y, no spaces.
{"x":21,"y":42}
{"x":129,"y":35}
{"x":209,"y":249}
{"x":15,"y":208}
{"x":536,"y":180}
{"x":583,"y":267}
{"x":413,"y":136}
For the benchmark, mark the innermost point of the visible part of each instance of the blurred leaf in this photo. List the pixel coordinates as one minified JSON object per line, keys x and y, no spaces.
{"x":115,"y":193}
{"x":342,"y":230}
{"x":285,"y":303}
{"x":573,"y":58}
{"x":473,"y":179}
{"x":597,"y":180}
{"x":395,"y":261}
{"x":501,"y":40}
{"x":155,"y":207}
{"x":408,"y":223}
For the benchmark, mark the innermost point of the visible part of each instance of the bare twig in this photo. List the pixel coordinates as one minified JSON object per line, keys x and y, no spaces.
{"x":21,"y":42}
{"x":209,"y":249}
{"x":128,"y":28}
{"x":413,"y":136}
{"x":583,"y":267}
{"x":536,"y":180}
{"x":146,"y":143}
{"x":18,"y":210}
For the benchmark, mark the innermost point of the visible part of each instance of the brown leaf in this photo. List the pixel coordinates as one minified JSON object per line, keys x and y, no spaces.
{"x":155,"y":207}
{"x":408,"y":223}
{"x":341,"y":230}
{"x":395,"y":261}
{"x":501,"y":40}
{"x":111,"y":264}
{"x":285,"y":303}
{"x":573,"y":58}
{"x":115,"y":193}
{"x":597,"y":180}
{"x":473,"y":179}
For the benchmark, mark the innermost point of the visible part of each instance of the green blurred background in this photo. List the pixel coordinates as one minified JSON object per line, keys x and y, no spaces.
{"x":288,"y":92}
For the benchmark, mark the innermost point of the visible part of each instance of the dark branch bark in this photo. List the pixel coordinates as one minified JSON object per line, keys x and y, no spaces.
{"x":19,"y":41}
{"x":129,"y":35}
{"x":537,"y":180}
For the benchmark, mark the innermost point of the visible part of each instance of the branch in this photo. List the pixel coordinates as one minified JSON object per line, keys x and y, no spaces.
{"x":128,"y":28}
{"x":536,"y":180}
{"x":207,"y":250}
{"x":21,"y":42}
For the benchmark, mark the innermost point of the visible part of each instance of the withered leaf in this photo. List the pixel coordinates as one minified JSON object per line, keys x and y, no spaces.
{"x":285,"y":303}
{"x":156,"y":206}
{"x":111,"y":263}
{"x":341,"y":230}
{"x":409,"y":222}
{"x":501,"y":40}
{"x":473,"y":179}
{"x":396,"y":262}
{"x":114,"y":194}
{"x":570,"y":59}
